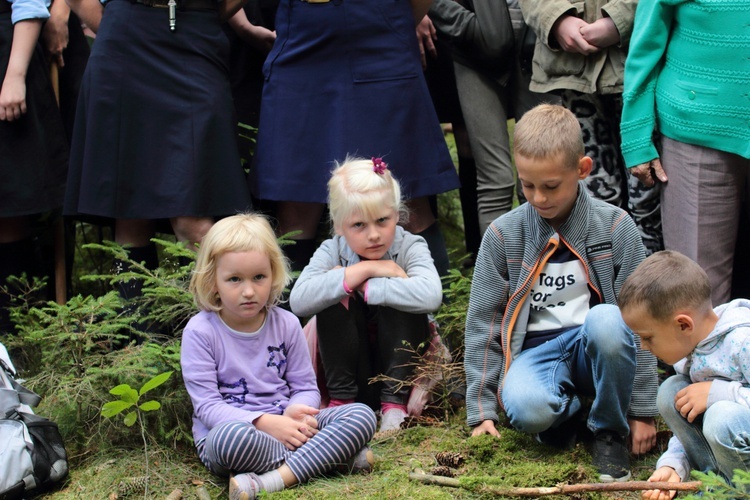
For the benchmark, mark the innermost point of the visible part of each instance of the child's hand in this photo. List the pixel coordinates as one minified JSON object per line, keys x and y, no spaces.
{"x":486,"y":427}
{"x":567,"y":31}
{"x":692,"y":400}
{"x":601,"y":33}
{"x":290,"y":432}
{"x":662,"y":474}
{"x":642,"y":435}
{"x":303,"y":413}
{"x":13,"y":98}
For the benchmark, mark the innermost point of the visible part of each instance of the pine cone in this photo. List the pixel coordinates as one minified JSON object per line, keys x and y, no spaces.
{"x":449,"y":459}
{"x":131,"y":485}
{"x":442,"y":470}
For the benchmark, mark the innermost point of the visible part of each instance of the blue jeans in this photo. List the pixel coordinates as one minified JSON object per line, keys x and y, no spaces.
{"x":544,"y":384}
{"x":718,"y":440}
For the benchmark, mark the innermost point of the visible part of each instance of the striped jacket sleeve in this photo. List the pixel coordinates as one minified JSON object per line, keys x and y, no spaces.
{"x":483,"y":359}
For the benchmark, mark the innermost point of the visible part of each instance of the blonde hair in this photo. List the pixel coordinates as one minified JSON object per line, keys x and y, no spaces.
{"x":238,"y":233}
{"x":356,"y":188}
{"x":549,"y":131}
{"x":665,"y":283}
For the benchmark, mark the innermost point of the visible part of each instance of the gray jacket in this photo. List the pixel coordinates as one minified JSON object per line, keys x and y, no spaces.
{"x":513,"y":251}
{"x":321,"y":284}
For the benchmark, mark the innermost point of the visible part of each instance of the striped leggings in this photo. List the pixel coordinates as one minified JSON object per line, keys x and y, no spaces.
{"x":239,"y":447}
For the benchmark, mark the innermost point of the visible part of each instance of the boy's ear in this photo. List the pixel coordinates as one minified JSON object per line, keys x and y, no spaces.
{"x":685,"y":323}
{"x":585,"y":164}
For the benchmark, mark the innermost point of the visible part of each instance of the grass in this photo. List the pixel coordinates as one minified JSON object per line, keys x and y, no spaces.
{"x":515,"y":459}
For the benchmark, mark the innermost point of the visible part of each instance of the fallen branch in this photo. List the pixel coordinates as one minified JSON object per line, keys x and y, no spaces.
{"x":563,"y":488}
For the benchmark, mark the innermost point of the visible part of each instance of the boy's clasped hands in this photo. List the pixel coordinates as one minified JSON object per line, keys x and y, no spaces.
{"x":294,"y":428}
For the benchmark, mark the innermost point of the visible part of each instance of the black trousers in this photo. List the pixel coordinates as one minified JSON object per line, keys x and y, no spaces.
{"x":362,"y":341}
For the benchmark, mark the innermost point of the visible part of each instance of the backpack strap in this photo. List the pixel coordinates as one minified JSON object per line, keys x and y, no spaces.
{"x":25,"y":396}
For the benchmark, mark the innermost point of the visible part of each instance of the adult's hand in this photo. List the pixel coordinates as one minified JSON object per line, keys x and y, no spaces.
{"x":55,"y":32}
{"x":426,"y":36}
{"x":648,"y":172}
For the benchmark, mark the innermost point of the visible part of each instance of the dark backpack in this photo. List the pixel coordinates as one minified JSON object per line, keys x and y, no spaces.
{"x":32,"y":456}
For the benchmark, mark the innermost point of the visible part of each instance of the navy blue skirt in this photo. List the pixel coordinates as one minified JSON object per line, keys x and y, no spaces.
{"x":155,"y":130}
{"x":33,"y":149}
{"x":344,"y":78}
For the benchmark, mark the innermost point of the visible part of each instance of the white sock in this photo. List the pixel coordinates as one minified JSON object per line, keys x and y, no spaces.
{"x":271,"y":481}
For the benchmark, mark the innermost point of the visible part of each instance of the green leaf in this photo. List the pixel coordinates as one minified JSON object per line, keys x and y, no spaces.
{"x":150,"y":406}
{"x":120,"y":389}
{"x":130,"y":419}
{"x":114,"y":407}
{"x":130,"y":396}
{"x":155,"y":382}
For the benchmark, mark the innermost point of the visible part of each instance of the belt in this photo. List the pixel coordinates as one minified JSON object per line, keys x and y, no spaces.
{"x":181,"y":4}
{"x":5,"y":6}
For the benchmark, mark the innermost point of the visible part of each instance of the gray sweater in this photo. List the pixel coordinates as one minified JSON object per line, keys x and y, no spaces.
{"x":321,"y":284}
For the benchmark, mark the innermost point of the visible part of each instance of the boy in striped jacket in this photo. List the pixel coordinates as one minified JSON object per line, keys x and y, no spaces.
{"x":543,"y":331}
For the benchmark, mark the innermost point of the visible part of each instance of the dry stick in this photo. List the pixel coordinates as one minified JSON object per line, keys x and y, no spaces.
{"x":564,"y":488}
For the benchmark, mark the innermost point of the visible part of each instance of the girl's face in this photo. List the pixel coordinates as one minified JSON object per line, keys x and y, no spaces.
{"x":243,"y":282}
{"x":370,"y":237}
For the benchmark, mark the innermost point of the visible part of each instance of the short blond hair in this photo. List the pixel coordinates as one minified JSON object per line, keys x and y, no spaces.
{"x":237,"y":233}
{"x":356,"y":188}
{"x":549,"y":131}
{"x":664,"y":283}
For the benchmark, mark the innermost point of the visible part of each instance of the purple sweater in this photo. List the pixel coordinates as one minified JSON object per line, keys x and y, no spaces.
{"x":231,"y":376}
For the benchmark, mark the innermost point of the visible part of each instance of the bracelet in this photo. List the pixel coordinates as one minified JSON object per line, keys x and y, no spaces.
{"x":348,"y":290}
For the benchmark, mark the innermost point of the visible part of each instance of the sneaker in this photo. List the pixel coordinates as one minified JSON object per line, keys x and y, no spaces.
{"x":392,"y":420}
{"x":243,"y":486}
{"x":361,"y":462}
{"x":611,"y":457}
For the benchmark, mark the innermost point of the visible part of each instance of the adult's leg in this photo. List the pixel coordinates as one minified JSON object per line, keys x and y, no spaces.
{"x":17,"y":256}
{"x":701,"y":208}
{"x":599,"y":117}
{"x":304,"y":217}
{"x":467,"y":174}
{"x":191,"y":230}
{"x":726,"y":426}
{"x":691,"y":435}
{"x":483,"y":104}
{"x":344,"y":348}
{"x":399,"y":336}
{"x":422,"y":222}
